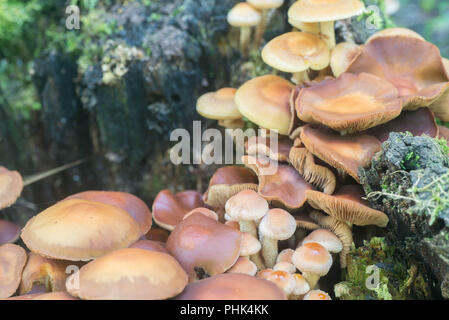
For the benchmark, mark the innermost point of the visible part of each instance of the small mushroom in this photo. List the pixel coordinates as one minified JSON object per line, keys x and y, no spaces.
{"x":262,"y":146}
{"x":340,"y":228}
{"x":246,"y":207}
{"x":346,"y":153}
{"x":265,"y":101}
{"x":285,"y":187}
{"x":244,"y":16}
{"x":296,"y":52}
{"x":348,"y":205}
{"x":342,"y":56}
{"x":227,"y":182}
{"x":326,"y":12}
{"x":199,"y":242}
{"x":317,"y":295}
{"x":232,"y":286}
{"x":326,"y":238}
{"x":313,"y":260}
{"x":283,"y":280}
{"x":80,"y":230}
{"x":12,"y":261}
{"x":350,"y":103}
{"x":11,"y":185}
{"x":302,"y":287}
{"x":245,"y":266}
{"x":169,"y":209}
{"x":113,"y":276}
{"x":251,"y":247}
{"x":9,"y":232}
{"x":285,"y":266}
{"x":219,"y":105}
{"x":128,"y":202}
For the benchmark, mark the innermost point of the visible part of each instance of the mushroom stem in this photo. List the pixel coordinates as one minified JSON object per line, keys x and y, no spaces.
{"x":245,"y":36}
{"x":261,"y":27}
{"x":269,"y":251}
{"x":300,"y":77}
{"x":328,"y":32}
{"x":257,"y":259}
{"x":312,"y":279}
{"x":248,"y":226}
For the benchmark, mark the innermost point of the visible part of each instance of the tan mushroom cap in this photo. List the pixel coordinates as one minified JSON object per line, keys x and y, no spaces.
{"x":283,"y":280}
{"x":80,"y":230}
{"x":312,"y":258}
{"x":246,"y":205}
{"x":42,"y":271}
{"x":245,"y":266}
{"x":350,"y":103}
{"x":317,"y":295}
{"x":347,"y":153}
{"x":11,"y":186}
{"x":302,"y":286}
{"x":285,"y":256}
{"x":325,"y":10}
{"x":277,"y":224}
{"x":326,"y":238}
{"x":342,"y":56}
{"x":232,"y":286}
{"x":227,"y":182}
{"x":262,"y":146}
{"x":412,"y":65}
{"x":396,"y":32}
{"x":128,"y":202}
{"x":218,"y":105}
{"x":130,"y":274}
{"x":150,"y":245}
{"x":12,"y":261}
{"x":9,"y":232}
{"x":265,"y":101}
{"x":295,"y":52}
{"x":250,"y":245}
{"x":285,"y":187}
{"x":305,"y":163}
{"x":285,"y":266}
{"x":244,"y":15}
{"x":340,"y":228}
{"x":418,"y":122}
{"x":201,"y":242}
{"x":169,"y":209}
{"x":266,"y":4}
{"x":347,"y":205}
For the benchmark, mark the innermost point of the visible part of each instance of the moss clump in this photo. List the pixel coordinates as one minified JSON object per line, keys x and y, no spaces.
{"x":374,"y":273}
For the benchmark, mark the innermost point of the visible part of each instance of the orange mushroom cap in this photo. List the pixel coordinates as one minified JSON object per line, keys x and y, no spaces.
{"x":169,"y":209}
{"x":130,"y":274}
{"x":232,"y":286}
{"x":128,"y":202}
{"x":350,"y":103}
{"x":11,"y":186}
{"x":201,"y":242}
{"x":78,"y":229}
{"x":312,"y":257}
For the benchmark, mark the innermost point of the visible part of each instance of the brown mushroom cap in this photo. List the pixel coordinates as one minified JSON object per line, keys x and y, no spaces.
{"x":350,"y":103}
{"x":412,"y":65}
{"x":295,"y":52}
{"x":218,"y":105}
{"x":262,"y":146}
{"x":231,"y":286}
{"x":244,"y":15}
{"x":245,"y":266}
{"x":227,"y":182}
{"x":325,"y":10}
{"x":201,"y":242}
{"x":418,"y":122}
{"x":347,"y":205}
{"x":12,"y":262}
{"x":11,"y":186}
{"x":9,"y":232}
{"x":285,"y":187}
{"x":396,"y":32}
{"x":342,"y":56}
{"x":157,"y":234}
{"x":78,"y":229}
{"x":265,"y":101}
{"x":42,"y":271}
{"x":169,"y":209}
{"x":130,"y":274}
{"x":128,"y":202}
{"x":347,"y":153}
{"x":150,"y":245}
